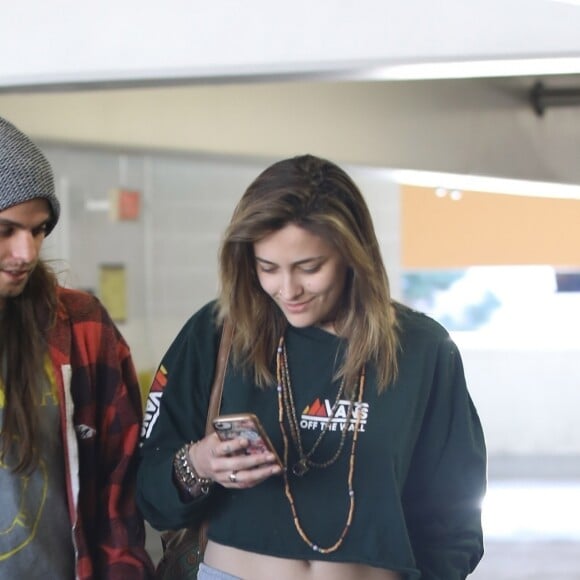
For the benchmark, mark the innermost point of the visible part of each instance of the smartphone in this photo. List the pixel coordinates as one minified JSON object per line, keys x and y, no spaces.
{"x":248,"y":426}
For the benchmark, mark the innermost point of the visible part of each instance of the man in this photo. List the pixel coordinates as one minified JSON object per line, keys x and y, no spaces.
{"x":70,"y":407}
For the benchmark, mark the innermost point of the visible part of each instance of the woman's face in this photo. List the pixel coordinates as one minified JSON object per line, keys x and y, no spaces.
{"x":303,"y":273}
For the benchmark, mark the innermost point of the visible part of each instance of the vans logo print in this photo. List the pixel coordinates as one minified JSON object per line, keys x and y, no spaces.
{"x":316,"y":416}
{"x":153,"y":404}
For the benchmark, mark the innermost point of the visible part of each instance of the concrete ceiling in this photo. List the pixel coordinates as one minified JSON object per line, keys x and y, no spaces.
{"x":69,"y":44}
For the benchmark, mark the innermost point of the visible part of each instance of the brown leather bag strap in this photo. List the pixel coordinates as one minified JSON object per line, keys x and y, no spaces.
{"x":185,"y":547}
{"x":215,"y":400}
{"x":217,"y":387}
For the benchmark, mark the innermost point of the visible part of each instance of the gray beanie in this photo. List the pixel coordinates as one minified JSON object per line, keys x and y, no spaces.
{"x":25,"y":173}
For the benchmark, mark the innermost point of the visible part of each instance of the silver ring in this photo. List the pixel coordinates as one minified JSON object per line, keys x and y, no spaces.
{"x":233,"y":477}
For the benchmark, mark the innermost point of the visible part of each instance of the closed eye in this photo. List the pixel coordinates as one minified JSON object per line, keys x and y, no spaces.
{"x":307,"y":266}
{"x":40,"y":230}
{"x":265,"y":266}
{"x":6,"y":231}
{"x":311,"y":269}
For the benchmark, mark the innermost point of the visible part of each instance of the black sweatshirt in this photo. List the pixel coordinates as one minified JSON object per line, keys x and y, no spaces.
{"x":420,"y":466}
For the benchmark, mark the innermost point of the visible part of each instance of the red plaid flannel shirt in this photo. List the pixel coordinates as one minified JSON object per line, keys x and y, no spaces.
{"x":100,"y":408}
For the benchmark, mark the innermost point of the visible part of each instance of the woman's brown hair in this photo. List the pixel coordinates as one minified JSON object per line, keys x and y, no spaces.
{"x":23,"y":347}
{"x":320,"y":197}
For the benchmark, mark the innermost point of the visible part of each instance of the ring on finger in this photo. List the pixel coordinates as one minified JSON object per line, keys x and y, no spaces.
{"x":233,"y":477}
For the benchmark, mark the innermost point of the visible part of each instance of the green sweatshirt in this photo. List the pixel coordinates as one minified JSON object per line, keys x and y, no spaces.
{"x":420,"y":469}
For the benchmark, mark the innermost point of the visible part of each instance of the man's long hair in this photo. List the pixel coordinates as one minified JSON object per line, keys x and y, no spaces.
{"x":320,"y":197}
{"x":23,"y":347}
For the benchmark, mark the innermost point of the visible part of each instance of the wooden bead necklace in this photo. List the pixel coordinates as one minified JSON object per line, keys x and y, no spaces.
{"x":305,"y":462}
{"x":286,"y":407}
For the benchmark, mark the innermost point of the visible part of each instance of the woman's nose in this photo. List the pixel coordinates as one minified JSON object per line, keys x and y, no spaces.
{"x":290,"y":288}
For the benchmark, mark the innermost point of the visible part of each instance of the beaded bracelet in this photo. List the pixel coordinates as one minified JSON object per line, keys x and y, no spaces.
{"x":186,"y":475}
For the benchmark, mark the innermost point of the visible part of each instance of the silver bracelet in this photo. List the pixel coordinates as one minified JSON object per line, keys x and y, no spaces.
{"x":186,"y":475}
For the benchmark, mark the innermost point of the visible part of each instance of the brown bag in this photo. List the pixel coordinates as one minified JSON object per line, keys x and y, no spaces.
{"x":183,"y":549}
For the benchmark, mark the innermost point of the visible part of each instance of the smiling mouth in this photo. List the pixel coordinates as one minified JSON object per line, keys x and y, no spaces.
{"x":16,"y":274}
{"x":296,"y":306}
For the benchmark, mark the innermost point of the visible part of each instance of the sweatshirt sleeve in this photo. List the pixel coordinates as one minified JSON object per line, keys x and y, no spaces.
{"x":446,"y":481}
{"x":175,"y":414}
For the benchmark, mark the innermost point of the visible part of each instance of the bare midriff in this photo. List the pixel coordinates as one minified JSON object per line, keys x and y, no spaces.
{"x":252,"y":566}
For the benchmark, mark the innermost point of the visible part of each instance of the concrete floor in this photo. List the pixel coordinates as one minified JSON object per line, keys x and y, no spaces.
{"x":529,"y":560}
{"x":537,"y":540}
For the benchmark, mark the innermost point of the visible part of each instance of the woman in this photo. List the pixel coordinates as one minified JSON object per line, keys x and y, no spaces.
{"x":364,"y":400}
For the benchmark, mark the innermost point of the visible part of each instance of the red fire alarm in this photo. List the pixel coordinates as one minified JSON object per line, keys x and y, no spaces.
{"x":125,"y":204}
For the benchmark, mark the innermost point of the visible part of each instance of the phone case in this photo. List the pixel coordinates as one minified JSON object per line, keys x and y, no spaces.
{"x":245,"y":425}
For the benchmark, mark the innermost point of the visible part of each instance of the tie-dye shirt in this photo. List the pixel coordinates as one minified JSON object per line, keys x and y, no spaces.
{"x":35,"y":536}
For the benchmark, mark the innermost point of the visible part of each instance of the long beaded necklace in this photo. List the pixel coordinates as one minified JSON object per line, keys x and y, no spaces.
{"x":305,"y":462}
{"x":286,"y":403}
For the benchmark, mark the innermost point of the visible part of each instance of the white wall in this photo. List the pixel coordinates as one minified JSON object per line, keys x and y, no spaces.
{"x":169,"y":253}
{"x":527,"y":398}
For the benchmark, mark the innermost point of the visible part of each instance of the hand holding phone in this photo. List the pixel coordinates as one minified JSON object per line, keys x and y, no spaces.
{"x":248,"y":426}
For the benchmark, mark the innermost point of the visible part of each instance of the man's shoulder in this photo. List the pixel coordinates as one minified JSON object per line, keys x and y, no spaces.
{"x":79,"y":305}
